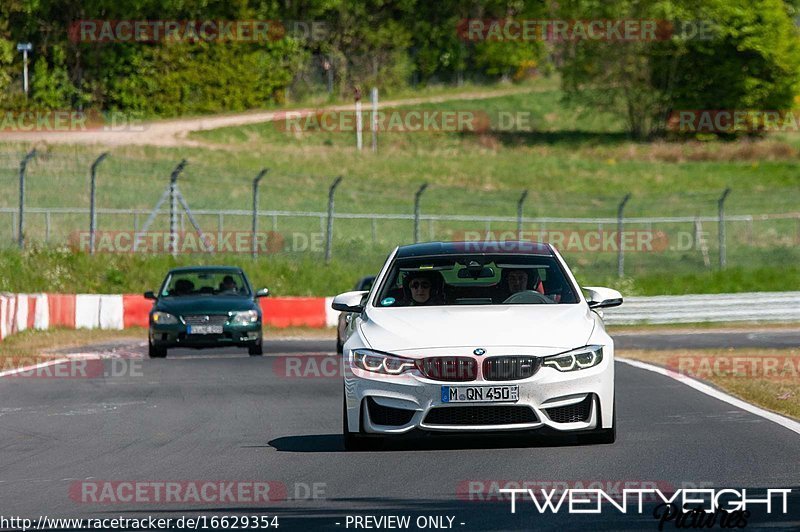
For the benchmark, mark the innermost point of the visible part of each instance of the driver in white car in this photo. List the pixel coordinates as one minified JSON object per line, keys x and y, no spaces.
{"x":518,"y":281}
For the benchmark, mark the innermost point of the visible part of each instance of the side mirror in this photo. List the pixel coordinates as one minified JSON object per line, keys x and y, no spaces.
{"x":349,"y":301}
{"x":150,"y":295}
{"x":600,"y":297}
{"x":262,"y":292}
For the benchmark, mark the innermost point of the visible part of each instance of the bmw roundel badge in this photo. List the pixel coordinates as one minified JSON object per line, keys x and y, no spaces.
{"x":479,"y":351}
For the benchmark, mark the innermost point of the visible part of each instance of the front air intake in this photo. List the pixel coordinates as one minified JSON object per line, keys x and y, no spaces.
{"x":387,"y":415}
{"x":481,"y":415}
{"x":579,"y":412}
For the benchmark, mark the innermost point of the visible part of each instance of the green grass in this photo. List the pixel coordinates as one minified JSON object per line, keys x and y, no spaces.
{"x":53,"y":270}
{"x":575,"y":162}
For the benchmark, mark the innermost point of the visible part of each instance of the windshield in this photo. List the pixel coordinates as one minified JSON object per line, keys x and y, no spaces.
{"x":209,"y":282}
{"x":475,"y":280}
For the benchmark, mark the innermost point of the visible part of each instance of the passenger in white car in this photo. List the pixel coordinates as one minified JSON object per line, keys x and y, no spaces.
{"x":423,"y":288}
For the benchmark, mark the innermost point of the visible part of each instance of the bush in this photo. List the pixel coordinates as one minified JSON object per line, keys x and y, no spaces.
{"x":750,"y":61}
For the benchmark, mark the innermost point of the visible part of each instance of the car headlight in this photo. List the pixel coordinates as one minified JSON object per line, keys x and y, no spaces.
{"x":581,"y":358}
{"x":164,"y":318}
{"x":378,"y":362}
{"x":245,"y":317}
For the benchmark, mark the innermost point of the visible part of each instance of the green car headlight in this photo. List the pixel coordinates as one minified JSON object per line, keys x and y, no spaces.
{"x":164,"y":318}
{"x":577,"y":359}
{"x":245,"y":317}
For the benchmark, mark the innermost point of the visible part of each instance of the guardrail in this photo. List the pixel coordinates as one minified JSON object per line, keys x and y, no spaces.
{"x":116,"y":311}
{"x":750,"y":307}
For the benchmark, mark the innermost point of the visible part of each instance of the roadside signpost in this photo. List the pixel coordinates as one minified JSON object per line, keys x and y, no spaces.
{"x":24,"y":47}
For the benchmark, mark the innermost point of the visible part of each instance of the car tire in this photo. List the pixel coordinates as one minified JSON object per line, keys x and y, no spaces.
{"x":154,"y":351}
{"x":256,"y":350}
{"x":604,"y":436}
{"x":339,"y":344}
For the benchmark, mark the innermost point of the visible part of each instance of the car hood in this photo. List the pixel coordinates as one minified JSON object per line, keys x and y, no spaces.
{"x":204,"y":304}
{"x":548,"y":326}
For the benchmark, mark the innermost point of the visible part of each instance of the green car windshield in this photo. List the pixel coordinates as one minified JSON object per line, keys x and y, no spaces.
{"x":205,"y":282}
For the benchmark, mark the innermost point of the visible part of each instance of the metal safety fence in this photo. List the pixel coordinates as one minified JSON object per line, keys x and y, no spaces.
{"x":109,"y":204}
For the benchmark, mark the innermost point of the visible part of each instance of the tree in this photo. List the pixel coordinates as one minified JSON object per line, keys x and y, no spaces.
{"x":749,"y":58}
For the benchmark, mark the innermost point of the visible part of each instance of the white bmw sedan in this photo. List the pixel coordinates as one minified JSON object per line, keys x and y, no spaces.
{"x":477,"y":337}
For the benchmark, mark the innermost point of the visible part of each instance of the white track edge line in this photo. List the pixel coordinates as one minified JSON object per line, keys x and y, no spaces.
{"x":785,"y":422}
{"x":35,"y":366}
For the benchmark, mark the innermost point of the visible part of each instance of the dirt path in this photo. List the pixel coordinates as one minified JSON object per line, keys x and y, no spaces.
{"x":176,"y":132}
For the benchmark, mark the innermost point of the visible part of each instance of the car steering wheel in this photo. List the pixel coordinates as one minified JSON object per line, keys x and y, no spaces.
{"x":527,"y":296}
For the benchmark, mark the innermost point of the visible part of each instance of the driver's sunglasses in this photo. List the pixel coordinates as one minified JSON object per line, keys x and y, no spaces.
{"x":420,"y":284}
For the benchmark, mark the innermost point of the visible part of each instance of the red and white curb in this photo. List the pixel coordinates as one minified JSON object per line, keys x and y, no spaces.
{"x":19,"y":312}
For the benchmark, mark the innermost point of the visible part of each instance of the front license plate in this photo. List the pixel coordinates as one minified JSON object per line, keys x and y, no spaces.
{"x":204,"y":329}
{"x":480,"y":394}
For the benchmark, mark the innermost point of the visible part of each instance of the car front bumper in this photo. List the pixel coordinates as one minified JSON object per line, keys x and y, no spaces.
{"x":563,"y":401}
{"x":175,"y":335}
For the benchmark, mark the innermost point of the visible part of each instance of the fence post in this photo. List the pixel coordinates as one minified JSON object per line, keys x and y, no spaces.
{"x":359,"y":126}
{"x":374,"y":119}
{"x":173,"y":207}
{"x":620,"y":251}
{"x":520,"y":202}
{"x":417,"y":197}
{"x":329,"y":236}
{"x":261,"y":174}
{"x":23,"y":166}
{"x":723,"y":251}
{"x":92,"y":211}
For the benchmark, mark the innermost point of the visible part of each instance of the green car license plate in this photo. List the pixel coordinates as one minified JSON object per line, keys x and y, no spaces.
{"x":204,"y":329}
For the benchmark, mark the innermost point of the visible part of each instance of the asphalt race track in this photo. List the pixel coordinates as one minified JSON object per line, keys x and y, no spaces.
{"x":224,"y":416}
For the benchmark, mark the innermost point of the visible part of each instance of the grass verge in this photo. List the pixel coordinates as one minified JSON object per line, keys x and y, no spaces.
{"x":764,"y":377}
{"x":35,"y":346}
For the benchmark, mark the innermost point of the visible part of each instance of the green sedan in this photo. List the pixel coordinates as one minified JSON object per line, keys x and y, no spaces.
{"x":205,"y":306}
